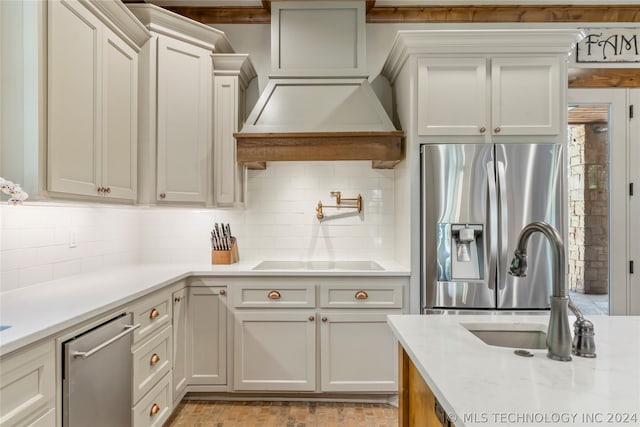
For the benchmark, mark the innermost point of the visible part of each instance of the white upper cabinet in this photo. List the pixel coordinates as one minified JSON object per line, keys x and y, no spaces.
{"x":74,"y":50}
{"x":176,"y":109}
{"x":120,"y":118}
{"x":485,"y":85}
{"x":452,"y":96}
{"x":495,"y":96}
{"x":232,"y":74}
{"x":92,"y":99}
{"x":184,"y":121}
{"x":525,"y":95}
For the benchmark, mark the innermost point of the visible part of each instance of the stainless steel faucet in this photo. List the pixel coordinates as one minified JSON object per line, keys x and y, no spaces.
{"x":559,"y":332}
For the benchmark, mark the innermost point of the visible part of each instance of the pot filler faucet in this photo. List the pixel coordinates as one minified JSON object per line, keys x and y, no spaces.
{"x":559,"y":342}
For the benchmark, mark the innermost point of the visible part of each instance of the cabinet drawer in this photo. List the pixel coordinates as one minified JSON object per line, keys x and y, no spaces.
{"x":27,"y":384}
{"x":154,"y":409}
{"x":278,"y":295}
{"x":152,"y":313}
{"x":366,"y":296}
{"x":151,"y":361}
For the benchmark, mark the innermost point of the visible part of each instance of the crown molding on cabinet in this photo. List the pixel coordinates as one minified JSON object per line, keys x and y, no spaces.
{"x":448,"y":42}
{"x":163,"y":21}
{"x":121,"y":21}
{"x":234,"y":64}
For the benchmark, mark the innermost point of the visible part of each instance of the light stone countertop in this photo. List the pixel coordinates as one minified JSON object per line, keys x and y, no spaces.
{"x":43,"y":310}
{"x":482,"y":385}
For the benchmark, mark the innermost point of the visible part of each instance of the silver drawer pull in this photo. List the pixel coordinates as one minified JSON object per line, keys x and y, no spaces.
{"x":84,"y":354}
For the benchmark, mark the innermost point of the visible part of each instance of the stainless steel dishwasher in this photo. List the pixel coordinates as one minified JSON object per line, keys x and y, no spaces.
{"x":96,"y":381}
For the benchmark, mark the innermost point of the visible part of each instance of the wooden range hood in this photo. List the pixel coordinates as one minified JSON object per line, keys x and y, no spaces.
{"x":318,"y":103}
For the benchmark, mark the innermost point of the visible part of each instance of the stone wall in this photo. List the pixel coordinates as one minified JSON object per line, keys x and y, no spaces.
{"x":588,"y":258}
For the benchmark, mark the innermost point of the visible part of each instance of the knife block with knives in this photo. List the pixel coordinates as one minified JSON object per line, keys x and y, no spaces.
{"x":226,"y":256}
{"x":224,"y":247}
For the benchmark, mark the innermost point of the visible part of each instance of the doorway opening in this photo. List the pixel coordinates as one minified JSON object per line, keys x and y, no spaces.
{"x":589,"y":201}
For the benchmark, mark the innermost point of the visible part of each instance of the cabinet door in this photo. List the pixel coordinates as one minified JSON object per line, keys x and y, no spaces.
{"x":184,"y":120}
{"x":74,"y":103}
{"x":525,"y":96}
{"x":119,"y":118}
{"x":452,"y":96}
{"x":207,"y":338}
{"x":28,"y":386}
{"x":179,"y":343}
{"x":358,"y":352}
{"x":275,"y":350}
{"x":228,"y":174}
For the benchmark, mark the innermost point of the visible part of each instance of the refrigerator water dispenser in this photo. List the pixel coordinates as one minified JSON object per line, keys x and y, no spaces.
{"x":467,"y":256}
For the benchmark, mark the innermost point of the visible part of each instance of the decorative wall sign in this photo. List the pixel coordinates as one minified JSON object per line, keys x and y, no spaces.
{"x":609,"y":45}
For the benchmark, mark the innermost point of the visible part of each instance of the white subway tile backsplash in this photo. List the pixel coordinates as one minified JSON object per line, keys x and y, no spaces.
{"x":18,"y":258}
{"x":35,"y":240}
{"x":37,"y":274}
{"x":26,"y":238}
{"x":67,"y":268}
{"x":279,"y":222}
{"x":90,"y":264}
{"x":9,"y":279}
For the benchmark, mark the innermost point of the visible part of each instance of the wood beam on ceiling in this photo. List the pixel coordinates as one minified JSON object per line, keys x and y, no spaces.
{"x":224,"y":15}
{"x":522,"y":13}
{"x":604,"y":77}
{"x":430,"y":14}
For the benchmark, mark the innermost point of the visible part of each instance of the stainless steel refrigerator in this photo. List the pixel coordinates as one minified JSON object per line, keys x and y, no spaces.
{"x":475,"y":200}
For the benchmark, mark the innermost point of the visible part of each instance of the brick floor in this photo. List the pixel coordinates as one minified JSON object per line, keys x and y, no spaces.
{"x":192,"y":413}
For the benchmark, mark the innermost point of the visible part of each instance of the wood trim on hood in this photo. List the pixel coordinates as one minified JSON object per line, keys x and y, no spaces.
{"x":384,"y":148}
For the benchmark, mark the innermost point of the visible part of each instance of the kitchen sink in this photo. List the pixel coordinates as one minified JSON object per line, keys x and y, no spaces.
{"x":319,"y":265}
{"x":531,"y":336}
{"x":3,"y":327}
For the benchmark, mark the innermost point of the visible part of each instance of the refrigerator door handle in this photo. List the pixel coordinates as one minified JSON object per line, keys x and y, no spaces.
{"x":504,"y":222}
{"x":492,"y":222}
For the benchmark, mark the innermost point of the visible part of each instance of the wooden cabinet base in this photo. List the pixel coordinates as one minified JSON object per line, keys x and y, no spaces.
{"x":417,"y":403}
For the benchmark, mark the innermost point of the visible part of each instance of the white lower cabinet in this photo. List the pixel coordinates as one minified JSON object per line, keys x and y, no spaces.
{"x":275,"y":350}
{"x":207,"y":335}
{"x":358,"y":352}
{"x":286,"y":341}
{"x":179,"y":344}
{"x":27,"y":387}
{"x":151,"y":359}
{"x":155,"y":408}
